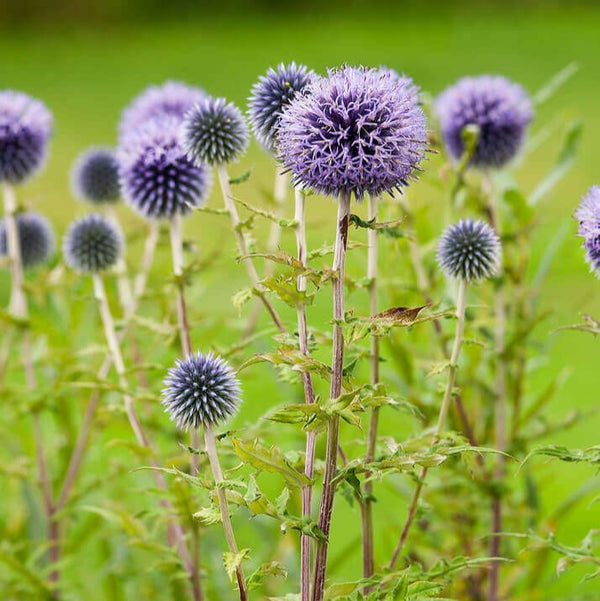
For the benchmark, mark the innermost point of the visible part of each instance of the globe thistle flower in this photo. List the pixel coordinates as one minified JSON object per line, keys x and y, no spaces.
{"x":215,"y":132}
{"x":36,"y":239}
{"x":157,"y":178}
{"x":25,"y":127}
{"x":92,"y":244}
{"x":201,"y":390}
{"x":95,"y":176}
{"x":592,"y":252}
{"x":172,"y":98}
{"x":588,"y":213}
{"x":270,"y":95}
{"x":355,"y":131}
{"x":500,"y":109}
{"x":469,"y":250}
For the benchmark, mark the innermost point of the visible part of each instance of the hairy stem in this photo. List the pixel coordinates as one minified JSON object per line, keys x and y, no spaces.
{"x":367,"y":504}
{"x":176,"y":534}
{"x":215,"y":466}
{"x":339,"y":264}
{"x":309,"y":396}
{"x":18,"y":309}
{"x":452,"y":369}
{"x":243,"y":248}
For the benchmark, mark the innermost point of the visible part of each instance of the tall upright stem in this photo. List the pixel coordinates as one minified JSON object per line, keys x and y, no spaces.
{"x":213,"y":458}
{"x":18,"y":308}
{"x":126,"y":297}
{"x":242,"y":247}
{"x":339,"y":264}
{"x":176,"y":534}
{"x":139,"y":283}
{"x":309,"y":395}
{"x":367,"y":504}
{"x":450,"y":381}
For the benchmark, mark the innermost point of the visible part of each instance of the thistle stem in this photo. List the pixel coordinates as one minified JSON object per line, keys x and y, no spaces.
{"x":176,"y":534}
{"x":452,"y":369}
{"x":280,"y":189}
{"x":213,"y":458}
{"x":139,"y":284}
{"x":18,"y":308}
{"x":309,"y":396}
{"x":367,"y":504}
{"x":339,"y":264}
{"x":242,"y":247}
{"x":126,"y":297}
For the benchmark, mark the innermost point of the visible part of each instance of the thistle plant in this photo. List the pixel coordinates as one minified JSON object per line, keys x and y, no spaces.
{"x":202,"y":391}
{"x":353,"y":132}
{"x":216,"y":134}
{"x":588,"y":217}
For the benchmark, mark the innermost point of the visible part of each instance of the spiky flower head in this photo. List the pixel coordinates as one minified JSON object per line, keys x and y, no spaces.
{"x":201,"y":390}
{"x":469,"y":250}
{"x":270,"y":95}
{"x":172,"y":98}
{"x":158,"y":179}
{"x":588,"y":213}
{"x":499,"y":108}
{"x":95,"y":176}
{"x":92,"y":244}
{"x":215,"y":132}
{"x":25,"y":128}
{"x":36,"y":239}
{"x":357,"y":131}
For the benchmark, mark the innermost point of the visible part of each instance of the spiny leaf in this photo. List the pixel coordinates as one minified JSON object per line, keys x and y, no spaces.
{"x":232,"y":561}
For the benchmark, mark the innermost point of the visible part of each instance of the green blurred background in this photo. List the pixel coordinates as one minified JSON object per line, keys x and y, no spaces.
{"x":87,"y":61}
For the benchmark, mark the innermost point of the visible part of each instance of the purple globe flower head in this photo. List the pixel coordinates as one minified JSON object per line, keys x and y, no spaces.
{"x":201,"y":390}
{"x":469,"y":250}
{"x":95,"y":176}
{"x":157,"y":177}
{"x":25,"y":128}
{"x":269,"y":97}
{"x":92,"y":244}
{"x":36,"y":239}
{"x":499,"y":108}
{"x":215,"y":132}
{"x":588,"y":213}
{"x":172,"y":98}
{"x":591,"y":244}
{"x":356,"y":131}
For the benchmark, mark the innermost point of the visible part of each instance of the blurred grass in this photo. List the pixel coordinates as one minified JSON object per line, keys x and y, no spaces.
{"x":87,"y":74}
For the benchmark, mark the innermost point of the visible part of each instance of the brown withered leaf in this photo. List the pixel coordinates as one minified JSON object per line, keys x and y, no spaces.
{"x":403,"y":316}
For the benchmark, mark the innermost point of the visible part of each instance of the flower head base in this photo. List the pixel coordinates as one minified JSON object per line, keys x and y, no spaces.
{"x":499,"y":108}
{"x":215,"y":132}
{"x":355,"y":131}
{"x":36,"y":239}
{"x":592,"y":252}
{"x":25,"y":127}
{"x":158,"y":179}
{"x":92,"y":244}
{"x":469,"y":250}
{"x":201,"y":390}
{"x":588,"y":213}
{"x":271,"y":95}
{"x":172,"y":99}
{"x":95,"y":176}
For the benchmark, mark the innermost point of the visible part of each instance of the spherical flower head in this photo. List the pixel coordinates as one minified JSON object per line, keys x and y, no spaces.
{"x":25,"y":128}
{"x":355,"y":131}
{"x":92,"y":244}
{"x":157,"y":177}
{"x":270,"y":95}
{"x":172,"y":98}
{"x":499,"y":108}
{"x":215,"y":132}
{"x":592,"y":252}
{"x":201,"y":390}
{"x":95,"y":176}
{"x":588,"y":213}
{"x":36,"y":239}
{"x":469,"y":250}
